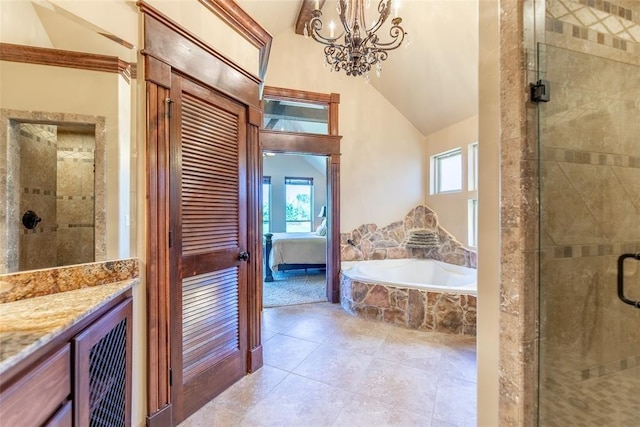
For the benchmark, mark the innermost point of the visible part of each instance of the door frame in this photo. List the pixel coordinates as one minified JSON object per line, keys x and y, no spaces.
{"x":168,"y":48}
{"x":321,"y":145}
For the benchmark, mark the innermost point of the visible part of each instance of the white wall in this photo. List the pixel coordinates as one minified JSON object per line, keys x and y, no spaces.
{"x":489,"y":215}
{"x":381,"y":171}
{"x":452,"y":207}
{"x":281,"y":165}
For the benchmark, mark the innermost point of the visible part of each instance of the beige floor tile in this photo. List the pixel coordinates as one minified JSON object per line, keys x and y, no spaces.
{"x":359,"y":336}
{"x":278,"y":319}
{"x":404,"y":387}
{"x":267,"y":335}
{"x":347,"y":371}
{"x":333,"y":366}
{"x":251,"y":389}
{"x":212,"y":414}
{"x":299,"y":401}
{"x":416,"y":350}
{"x":461,"y":364}
{"x":286,"y":352}
{"x":365,"y":411}
{"x":456,"y":402}
{"x":313,"y":329}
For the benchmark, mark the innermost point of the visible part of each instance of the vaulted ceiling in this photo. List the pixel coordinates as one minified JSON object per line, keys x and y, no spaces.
{"x":433,"y":81}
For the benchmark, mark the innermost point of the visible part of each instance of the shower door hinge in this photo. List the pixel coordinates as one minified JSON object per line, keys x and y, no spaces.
{"x":540,"y":91}
{"x":170,"y":377}
{"x":169,"y":102}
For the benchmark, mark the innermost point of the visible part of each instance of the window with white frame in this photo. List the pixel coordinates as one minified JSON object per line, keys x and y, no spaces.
{"x":446,"y":172}
{"x":473,"y":167}
{"x":472,"y":181}
{"x":298,"y":204}
{"x":473,"y":223}
{"x":266,"y":204}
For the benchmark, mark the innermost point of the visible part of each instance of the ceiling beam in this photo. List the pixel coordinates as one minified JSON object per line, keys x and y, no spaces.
{"x":305,"y":15}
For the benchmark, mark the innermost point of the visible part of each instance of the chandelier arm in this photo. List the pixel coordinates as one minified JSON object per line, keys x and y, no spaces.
{"x":398,"y":35}
{"x":384,"y":11}
{"x":315,"y":26}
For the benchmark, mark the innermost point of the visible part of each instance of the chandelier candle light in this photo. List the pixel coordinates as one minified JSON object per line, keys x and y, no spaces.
{"x":360,"y":47}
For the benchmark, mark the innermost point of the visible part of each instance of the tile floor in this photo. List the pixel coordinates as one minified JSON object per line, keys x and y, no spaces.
{"x":323,"y":367}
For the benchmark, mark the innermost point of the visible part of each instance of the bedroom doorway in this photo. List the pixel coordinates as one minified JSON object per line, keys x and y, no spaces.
{"x":301,"y":128}
{"x":294,"y":223}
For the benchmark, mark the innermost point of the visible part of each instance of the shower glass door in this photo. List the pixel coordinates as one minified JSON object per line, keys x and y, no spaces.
{"x":589,"y":142}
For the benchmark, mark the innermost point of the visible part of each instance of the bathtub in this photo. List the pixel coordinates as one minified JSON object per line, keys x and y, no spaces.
{"x":415,"y":293}
{"x":412,"y":273}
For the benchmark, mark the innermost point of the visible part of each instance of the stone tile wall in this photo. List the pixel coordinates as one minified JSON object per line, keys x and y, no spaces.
{"x":418,"y":235}
{"x":76,"y":198}
{"x":37,"y":185}
{"x":410,"y":308}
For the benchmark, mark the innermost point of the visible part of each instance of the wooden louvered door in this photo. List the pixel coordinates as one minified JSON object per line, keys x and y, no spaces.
{"x":208,"y":225}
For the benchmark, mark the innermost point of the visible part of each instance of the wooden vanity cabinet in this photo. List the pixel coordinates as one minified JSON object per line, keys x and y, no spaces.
{"x":81,"y":379}
{"x":102,"y":368}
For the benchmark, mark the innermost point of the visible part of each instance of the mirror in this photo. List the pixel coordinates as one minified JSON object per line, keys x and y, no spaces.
{"x":67,"y":127}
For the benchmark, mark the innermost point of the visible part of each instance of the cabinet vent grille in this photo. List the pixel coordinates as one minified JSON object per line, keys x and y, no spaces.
{"x":107,"y":379}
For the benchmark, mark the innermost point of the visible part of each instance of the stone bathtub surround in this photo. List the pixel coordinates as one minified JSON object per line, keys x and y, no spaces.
{"x":411,"y":308}
{"x":29,"y":284}
{"x":418,"y":235}
{"x":402,"y":239}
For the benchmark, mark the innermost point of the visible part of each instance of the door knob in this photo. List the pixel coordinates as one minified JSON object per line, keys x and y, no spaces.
{"x":243,"y":256}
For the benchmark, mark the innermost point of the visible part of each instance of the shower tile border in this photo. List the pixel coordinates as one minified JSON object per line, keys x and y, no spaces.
{"x":588,"y":251}
{"x":590,"y":158}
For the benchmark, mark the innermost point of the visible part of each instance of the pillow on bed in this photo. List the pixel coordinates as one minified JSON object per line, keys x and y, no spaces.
{"x":322,"y":228}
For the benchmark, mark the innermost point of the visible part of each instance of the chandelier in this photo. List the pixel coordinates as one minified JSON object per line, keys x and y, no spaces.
{"x":358,"y":48}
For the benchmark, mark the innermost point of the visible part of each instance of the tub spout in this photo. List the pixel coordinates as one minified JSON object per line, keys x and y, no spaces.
{"x":350,"y":241}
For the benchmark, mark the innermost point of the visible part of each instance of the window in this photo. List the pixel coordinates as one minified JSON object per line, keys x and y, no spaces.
{"x":291,"y":116}
{"x":299,"y":206}
{"x":473,"y":222}
{"x":473,"y":167}
{"x":446,"y":172}
{"x":266,"y":204}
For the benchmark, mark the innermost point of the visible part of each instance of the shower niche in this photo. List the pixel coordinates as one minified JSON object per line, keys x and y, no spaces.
{"x":55,"y":187}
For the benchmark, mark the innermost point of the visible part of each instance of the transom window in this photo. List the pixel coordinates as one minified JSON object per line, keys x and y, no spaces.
{"x":296,"y":116}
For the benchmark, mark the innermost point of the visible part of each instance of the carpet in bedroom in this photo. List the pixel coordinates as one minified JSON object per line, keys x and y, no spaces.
{"x":294,"y":287}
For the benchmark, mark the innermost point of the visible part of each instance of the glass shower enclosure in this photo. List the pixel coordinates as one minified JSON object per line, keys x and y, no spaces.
{"x":589,"y":169}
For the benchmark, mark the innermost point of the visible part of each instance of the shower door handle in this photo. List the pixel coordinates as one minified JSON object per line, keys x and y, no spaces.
{"x":621,"y":259}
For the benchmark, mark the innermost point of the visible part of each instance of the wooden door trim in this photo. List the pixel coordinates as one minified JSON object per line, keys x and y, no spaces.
{"x":160,"y":63}
{"x":322,"y":145}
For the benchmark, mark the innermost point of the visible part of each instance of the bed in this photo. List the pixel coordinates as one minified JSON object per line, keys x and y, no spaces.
{"x":293,"y":251}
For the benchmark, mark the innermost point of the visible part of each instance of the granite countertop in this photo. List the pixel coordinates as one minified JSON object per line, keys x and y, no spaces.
{"x":29,"y":324}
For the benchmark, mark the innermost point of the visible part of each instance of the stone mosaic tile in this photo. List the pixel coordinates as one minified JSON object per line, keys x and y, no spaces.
{"x":411,"y":308}
{"x":418,"y":235}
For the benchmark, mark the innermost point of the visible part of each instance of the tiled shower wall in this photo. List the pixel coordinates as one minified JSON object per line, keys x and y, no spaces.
{"x":590,"y":136}
{"x":76,"y":198}
{"x":606,"y":29}
{"x":590,"y":196}
{"x":57,"y":183}
{"x":37,"y":157}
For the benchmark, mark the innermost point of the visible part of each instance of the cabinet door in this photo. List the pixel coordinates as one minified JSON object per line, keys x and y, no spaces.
{"x":44,"y":387}
{"x":102,"y":391}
